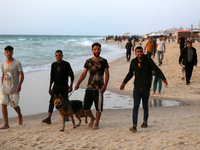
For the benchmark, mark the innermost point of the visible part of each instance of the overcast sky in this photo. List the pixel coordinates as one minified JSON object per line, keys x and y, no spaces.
{"x":96,"y":17}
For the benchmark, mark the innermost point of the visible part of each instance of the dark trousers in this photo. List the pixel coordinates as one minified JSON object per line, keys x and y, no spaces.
{"x":139,"y":94}
{"x":188,"y":70}
{"x":128,"y":55}
{"x":149,"y":54}
{"x":63,"y":90}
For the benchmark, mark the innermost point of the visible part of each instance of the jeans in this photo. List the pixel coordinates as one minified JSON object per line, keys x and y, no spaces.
{"x":188,"y":70}
{"x":128,"y":55}
{"x":162,"y":56}
{"x":139,"y":94}
{"x":149,"y":54}
{"x":157,"y":80}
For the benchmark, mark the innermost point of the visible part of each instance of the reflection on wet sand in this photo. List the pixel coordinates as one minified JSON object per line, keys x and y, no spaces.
{"x":162,"y":103}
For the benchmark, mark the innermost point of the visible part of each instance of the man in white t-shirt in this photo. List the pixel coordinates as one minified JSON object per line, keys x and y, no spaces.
{"x":160,"y":46}
{"x":12,"y":79}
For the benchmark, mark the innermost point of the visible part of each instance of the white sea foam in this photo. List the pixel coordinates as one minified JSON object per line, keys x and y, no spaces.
{"x":36,"y":53}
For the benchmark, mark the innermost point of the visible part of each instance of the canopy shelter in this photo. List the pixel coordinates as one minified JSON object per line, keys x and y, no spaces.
{"x":184,"y":33}
{"x":127,"y":34}
{"x":156,"y":34}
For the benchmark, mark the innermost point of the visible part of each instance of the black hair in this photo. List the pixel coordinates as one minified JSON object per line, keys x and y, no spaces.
{"x":138,"y":47}
{"x":9,"y":48}
{"x":59,"y":51}
{"x":96,"y":44}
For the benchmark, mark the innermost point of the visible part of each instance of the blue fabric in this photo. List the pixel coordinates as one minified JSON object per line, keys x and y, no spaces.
{"x":162,"y":56}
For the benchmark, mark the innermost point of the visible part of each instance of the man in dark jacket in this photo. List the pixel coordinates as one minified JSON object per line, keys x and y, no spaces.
{"x":128,"y":49}
{"x":142,"y":66}
{"x":189,"y":57}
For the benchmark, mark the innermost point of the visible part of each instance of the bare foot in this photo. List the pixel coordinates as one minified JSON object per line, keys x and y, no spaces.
{"x":153,"y":93}
{"x":20,"y":119}
{"x":92,"y":122}
{"x":5,"y":127}
{"x":95,"y":128}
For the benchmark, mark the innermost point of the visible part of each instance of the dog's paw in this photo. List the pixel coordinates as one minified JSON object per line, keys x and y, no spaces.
{"x":74,"y":127}
{"x":62,"y":130}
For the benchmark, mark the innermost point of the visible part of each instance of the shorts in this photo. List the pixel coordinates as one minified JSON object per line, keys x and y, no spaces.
{"x":13,"y":99}
{"x":93,"y":95}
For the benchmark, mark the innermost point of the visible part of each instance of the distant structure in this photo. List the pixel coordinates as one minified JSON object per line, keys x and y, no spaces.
{"x":195,"y":32}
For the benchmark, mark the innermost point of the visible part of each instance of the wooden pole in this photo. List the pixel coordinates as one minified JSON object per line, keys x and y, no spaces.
{"x":191,"y":32}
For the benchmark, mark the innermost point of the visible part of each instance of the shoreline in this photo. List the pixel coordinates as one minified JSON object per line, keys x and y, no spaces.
{"x":174,"y":127}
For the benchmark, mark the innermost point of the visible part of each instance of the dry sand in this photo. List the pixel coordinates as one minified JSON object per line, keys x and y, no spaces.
{"x":169,"y":127}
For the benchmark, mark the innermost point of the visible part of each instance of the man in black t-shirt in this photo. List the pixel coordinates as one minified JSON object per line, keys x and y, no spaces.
{"x":181,"y":42}
{"x":60,"y":71}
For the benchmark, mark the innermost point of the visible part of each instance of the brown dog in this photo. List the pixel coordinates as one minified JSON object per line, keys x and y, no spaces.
{"x":68,"y":108}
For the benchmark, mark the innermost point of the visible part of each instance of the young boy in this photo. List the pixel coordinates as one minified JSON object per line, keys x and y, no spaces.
{"x":11,"y":85}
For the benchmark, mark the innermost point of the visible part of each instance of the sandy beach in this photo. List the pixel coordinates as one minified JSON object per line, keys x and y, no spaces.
{"x":169,"y":127}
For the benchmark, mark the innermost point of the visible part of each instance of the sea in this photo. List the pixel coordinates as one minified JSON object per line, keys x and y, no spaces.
{"x":37,"y":52}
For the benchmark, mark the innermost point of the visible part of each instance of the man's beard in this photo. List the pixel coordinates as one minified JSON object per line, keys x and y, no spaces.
{"x":97,"y":55}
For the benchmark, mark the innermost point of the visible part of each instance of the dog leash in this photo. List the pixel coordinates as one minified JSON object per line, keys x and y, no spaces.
{"x":71,"y":94}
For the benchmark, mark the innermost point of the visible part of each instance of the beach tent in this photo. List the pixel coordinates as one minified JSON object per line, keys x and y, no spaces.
{"x":184,"y":33}
{"x":127,"y":34}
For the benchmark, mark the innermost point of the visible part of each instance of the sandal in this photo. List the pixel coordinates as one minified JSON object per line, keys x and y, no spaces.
{"x":47,"y":120}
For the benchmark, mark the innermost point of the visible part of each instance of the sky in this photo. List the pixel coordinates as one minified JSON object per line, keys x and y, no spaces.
{"x":96,"y":17}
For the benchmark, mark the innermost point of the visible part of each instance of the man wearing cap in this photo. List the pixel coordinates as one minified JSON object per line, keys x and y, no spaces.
{"x":150,"y":47}
{"x":189,"y":57}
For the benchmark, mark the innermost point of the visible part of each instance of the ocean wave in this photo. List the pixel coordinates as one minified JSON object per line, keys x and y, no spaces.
{"x":12,"y":41}
{"x":70,"y":40}
{"x":21,"y":39}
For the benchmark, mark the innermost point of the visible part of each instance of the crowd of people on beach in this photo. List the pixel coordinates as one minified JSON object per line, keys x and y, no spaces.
{"x":142,"y":67}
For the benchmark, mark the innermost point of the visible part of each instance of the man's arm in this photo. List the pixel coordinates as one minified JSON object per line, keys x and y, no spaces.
{"x":82,"y":77}
{"x":50,"y":88}
{"x":153,"y":48}
{"x":128,"y":76}
{"x":195,"y":57}
{"x":156,"y":47}
{"x":181,"y":56}
{"x":2,"y":78}
{"x":106,"y":80}
{"x":20,"y":81}
{"x":71,"y":74}
{"x":164,"y":48}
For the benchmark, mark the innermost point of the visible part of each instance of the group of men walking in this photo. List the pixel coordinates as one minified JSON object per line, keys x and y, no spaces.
{"x":141,"y":66}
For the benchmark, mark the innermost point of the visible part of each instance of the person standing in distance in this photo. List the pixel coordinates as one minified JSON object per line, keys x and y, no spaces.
{"x":96,"y":66}
{"x":12,"y":79}
{"x":160,"y":45}
{"x":128,"y":49}
{"x":60,"y":72}
{"x":189,"y":58}
{"x":142,"y":66}
{"x":150,"y":47}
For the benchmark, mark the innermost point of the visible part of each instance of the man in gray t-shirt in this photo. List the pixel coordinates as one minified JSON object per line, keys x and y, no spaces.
{"x":12,"y":79}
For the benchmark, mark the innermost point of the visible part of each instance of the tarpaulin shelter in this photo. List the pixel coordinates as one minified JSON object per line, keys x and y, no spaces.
{"x":184,"y":33}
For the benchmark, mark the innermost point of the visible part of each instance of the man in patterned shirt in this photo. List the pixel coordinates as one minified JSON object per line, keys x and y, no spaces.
{"x":96,"y":85}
